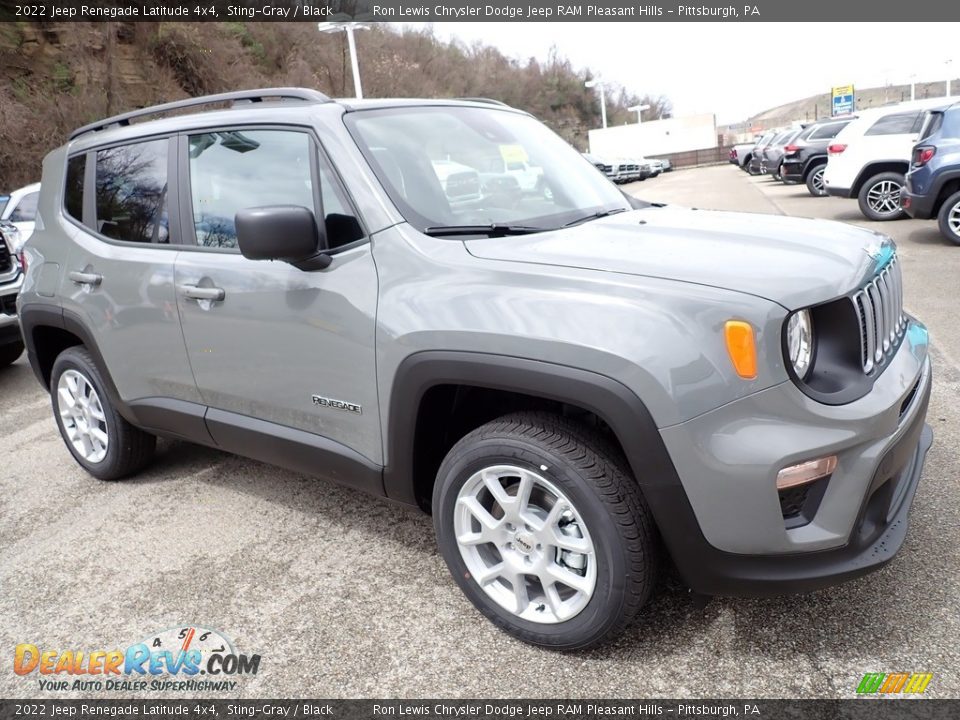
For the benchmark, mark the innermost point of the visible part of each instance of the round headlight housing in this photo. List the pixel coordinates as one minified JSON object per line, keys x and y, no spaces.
{"x":800,"y":343}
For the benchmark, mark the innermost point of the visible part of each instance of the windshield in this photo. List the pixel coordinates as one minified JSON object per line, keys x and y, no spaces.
{"x":466,"y":166}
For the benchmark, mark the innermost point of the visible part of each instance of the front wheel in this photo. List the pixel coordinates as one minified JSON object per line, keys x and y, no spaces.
{"x":815,"y":184}
{"x":544,"y":531}
{"x":949,"y":218}
{"x":879,"y":197}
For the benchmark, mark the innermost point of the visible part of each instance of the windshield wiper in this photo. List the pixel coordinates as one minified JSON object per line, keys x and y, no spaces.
{"x":595,"y":216}
{"x":491,"y":230}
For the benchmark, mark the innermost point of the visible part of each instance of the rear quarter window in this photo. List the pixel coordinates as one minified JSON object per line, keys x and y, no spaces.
{"x":73,"y":189}
{"x":932,"y":124}
{"x":895,"y":124}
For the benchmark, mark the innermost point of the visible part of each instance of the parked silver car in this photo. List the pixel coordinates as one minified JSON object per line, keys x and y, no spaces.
{"x":579,"y":386}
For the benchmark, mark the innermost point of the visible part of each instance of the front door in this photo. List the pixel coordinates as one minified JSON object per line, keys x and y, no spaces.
{"x":267,"y":341}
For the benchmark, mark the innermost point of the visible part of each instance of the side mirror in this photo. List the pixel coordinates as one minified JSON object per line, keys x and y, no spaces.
{"x":282,"y":232}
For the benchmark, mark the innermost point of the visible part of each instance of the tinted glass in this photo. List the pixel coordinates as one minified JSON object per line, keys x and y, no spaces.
{"x":4,"y":199}
{"x":934,"y":123}
{"x":132,"y":192}
{"x":341,"y":222}
{"x":446,"y":166}
{"x":238,"y":169}
{"x":73,"y":191}
{"x":898,"y":124}
{"x":26,"y":209}
{"x":827,"y":131}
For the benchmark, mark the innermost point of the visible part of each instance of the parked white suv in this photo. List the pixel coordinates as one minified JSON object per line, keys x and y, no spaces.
{"x":869,"y":158}
{"x":21,"y":211}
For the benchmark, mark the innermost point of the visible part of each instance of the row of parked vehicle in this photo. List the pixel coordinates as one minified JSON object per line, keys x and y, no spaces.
{"x":896,"y":160}
{"x":624,"y":170}
{"x":18,"y":212}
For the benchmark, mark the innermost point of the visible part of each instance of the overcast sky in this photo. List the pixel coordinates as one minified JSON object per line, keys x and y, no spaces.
{"x":732,"y":69}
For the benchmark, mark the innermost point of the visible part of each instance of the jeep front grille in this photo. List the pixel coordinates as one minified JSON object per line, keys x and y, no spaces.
{"x":6,"y":261}
{"x":879,"y":307}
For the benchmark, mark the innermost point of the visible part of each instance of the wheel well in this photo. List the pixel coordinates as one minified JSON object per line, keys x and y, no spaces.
{"x":875,"y":169}
{"x":948,"y":189}
{"x":813,"y":165}
{"x":48,"y":343}
{"x":448,"y":412}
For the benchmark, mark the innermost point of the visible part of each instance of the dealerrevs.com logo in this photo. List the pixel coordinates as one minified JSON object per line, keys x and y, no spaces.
{"x":188,"y":658}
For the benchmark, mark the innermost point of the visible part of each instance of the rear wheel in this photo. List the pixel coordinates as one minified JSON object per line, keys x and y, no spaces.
{"x":879,"y":197}
{"x":949,"y":218}
{"x":9,"y":353}
{"x":815,"y":185}
{"x":544,"y":531}
{"x":98,"y":437}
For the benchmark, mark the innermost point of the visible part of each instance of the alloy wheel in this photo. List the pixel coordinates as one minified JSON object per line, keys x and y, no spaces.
{"x":525,"y":544}
{"x":817,"y":181}
{"x":884,"y":197}
{"x":82,"y":416}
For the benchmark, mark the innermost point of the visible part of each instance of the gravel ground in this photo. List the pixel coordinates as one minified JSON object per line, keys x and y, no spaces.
{"x":343,"y":595}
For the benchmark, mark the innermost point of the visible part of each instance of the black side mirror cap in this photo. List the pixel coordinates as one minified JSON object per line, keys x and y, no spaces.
{"x":282,"y":232}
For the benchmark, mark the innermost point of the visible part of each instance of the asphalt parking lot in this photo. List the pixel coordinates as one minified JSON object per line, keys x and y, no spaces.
{"x":344,"y":596}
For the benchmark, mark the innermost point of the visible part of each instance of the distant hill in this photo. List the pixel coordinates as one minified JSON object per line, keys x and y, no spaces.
{"x":818,"y":106}
{"x":57,"y":76}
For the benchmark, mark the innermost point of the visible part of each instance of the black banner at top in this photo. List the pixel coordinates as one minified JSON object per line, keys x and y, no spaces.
{"x":479,"y":10}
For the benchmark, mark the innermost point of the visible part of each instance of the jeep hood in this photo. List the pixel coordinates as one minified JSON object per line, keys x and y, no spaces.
{"x":794,"y":262}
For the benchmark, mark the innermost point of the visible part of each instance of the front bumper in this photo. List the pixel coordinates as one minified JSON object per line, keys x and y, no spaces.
{"x":9,"y":322}
{"x":723,"y":524}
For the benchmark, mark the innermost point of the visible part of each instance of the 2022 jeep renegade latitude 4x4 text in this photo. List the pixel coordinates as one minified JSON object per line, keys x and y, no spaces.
{"x":579,"y":386}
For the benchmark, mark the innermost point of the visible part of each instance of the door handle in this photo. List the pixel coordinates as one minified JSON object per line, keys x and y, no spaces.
{"x":85,"y":278}
{"x":202,"y":293}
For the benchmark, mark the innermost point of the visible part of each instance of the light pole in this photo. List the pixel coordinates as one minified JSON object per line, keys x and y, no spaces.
{"x":638,"y":109}
{"x":913,"y":86}
{"x":348,"y":28}
{"x":603,"y":102}
{"x":947,"y":63}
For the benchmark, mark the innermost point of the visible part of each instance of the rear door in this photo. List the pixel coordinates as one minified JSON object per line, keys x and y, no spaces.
{"x":269,"y":343}
{"x":119,"y":275}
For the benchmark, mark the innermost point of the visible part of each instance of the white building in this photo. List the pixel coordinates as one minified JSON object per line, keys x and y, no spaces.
{"x":656,"y":137}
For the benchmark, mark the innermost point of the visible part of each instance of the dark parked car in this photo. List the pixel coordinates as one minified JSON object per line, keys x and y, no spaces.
{"x":773,"y":153}
{"x":933,"y":183}
{"x":755,"y":165}
{"x":805,"y":157}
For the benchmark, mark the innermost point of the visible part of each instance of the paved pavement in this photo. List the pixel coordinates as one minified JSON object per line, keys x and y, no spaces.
{"x":343,"y":595}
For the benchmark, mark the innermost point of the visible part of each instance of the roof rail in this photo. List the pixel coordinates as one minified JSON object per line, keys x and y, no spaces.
{"x":252,"y":96}
{"x":489,"y":101}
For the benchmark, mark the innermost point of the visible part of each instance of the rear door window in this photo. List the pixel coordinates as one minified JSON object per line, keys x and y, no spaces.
{"x":131,"y":192}
{"x":73,"y":190}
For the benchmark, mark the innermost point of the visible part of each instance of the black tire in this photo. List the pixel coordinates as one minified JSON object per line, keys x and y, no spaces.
{"x":128,"y":449}
{"x":874,"y":184}
{"x":746,"y":163}
{"x":776,"y":175}
{"x":591,"y":472}
{"x":951,"y":206}
{"x":814,"y":180}
{"x":10,"y":353}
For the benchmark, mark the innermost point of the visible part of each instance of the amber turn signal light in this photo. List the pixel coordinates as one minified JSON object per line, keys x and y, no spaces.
{"x":741,"y":347}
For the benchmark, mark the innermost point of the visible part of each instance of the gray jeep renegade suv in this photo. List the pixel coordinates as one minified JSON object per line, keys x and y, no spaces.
{"x":577,"y":385}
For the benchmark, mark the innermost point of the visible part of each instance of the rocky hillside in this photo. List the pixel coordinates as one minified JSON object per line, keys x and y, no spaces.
{"x":57,"y":76}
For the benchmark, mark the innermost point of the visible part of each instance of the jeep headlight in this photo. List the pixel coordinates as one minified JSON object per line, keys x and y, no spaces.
{"x":800,"y":342}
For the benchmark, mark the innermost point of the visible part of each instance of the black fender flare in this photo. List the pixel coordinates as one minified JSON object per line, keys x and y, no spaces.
{"x":609,"y":399}
{"x":941,"y":180}
{"x":35,"y":316}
